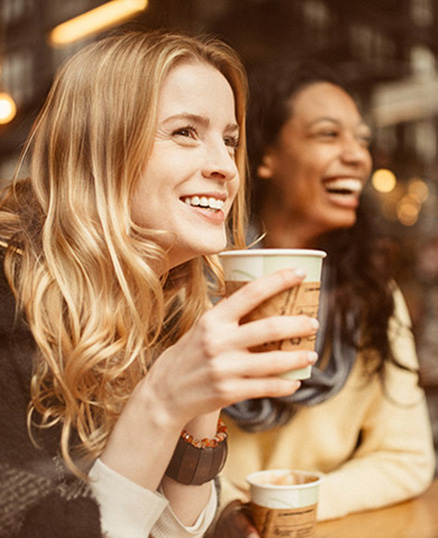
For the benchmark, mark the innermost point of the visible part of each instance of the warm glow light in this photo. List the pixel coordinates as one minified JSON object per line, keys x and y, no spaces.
{"x":95,"y":20}
{"x":408,"y":210}
{"x":389,"y":210}
{"x":419,"y":189}
{"x":384,"y":180}
{"x":8,"y":108}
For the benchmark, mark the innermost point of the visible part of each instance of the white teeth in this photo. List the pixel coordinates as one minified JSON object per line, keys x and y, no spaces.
{"x":344,"y":185}
{"x":215,"y":204}
{"x":203,"y":201}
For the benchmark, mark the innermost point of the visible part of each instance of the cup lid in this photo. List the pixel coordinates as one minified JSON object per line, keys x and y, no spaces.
{"x":315,"y":477}
{"x":275,"y":252}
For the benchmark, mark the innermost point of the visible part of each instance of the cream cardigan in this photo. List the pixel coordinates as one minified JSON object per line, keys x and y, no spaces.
{"x":373,"y":444}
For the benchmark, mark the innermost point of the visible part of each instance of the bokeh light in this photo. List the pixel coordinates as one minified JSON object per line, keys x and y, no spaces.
{"x":408,"y":210}
{"x":8,"y":109}
{"x":419,"y":189}
{"x":384,"y":180}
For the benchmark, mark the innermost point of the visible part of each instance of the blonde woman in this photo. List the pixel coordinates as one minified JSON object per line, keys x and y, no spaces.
{"x":114,"y":365}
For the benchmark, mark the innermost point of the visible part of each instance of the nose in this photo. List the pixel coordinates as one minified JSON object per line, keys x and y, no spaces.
{"x":220,"y":162}
{"x":356,"y":152}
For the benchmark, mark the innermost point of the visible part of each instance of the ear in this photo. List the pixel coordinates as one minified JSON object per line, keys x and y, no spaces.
{"x":264,"y":170}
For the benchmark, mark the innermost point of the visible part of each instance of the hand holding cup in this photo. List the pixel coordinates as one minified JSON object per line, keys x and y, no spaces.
{"x":242,"y":266}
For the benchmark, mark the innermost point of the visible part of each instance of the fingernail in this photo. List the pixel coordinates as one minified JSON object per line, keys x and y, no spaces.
{"x":312,"y":357}
{"x":300,"y":272}
{"x":314,"y":323}
{"x":297,"y":384}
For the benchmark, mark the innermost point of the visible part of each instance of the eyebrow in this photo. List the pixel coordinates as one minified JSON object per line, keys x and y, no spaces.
{"x":199,"y":120}
{"x":361,"y":123}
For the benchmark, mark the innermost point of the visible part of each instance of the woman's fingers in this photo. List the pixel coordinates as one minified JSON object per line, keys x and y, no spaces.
{"x":271,"y":363}
{"x":239,"y":389}
{"x":234,"y":522}
{"x":246,"y":375}
{"x":213,"y":365}
{"x":244,"y":526}
{"x":275,"y":328}
{"x":254,"y":293}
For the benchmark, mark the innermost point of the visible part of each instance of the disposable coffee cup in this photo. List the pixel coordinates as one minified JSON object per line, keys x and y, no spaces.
{"x":284,"y":502}
{"x":242,"y":266}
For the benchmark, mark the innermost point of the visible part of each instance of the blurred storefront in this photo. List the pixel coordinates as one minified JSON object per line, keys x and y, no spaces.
{"x":386,"y":49}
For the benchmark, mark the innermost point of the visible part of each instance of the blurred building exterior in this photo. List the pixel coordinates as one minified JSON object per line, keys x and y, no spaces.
{"x":386,"y":49}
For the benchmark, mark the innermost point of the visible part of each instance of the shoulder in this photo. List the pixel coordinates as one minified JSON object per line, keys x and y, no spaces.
{"x":7,"y":299}
{"x":400,"y":324}
{"x":16,"y":341}
{"x":401,"y":311}
{"x":400,"y":332}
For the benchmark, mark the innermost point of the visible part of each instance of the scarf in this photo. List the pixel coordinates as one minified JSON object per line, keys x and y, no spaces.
{"x":328,"y":376}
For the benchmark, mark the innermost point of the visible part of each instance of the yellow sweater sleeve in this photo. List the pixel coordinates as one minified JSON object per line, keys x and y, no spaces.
{"x":395,"y":459}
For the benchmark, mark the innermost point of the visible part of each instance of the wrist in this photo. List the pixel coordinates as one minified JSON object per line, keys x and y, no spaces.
{"x":197,"y":461}
{"x":204,"y":425}
{"x":151,"y":403}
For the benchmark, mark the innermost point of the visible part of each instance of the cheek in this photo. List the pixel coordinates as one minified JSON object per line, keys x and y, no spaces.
{"x":369,"y":166}
{"x":139,"y":211}
{"x":146,"y":205}
{"x":233,"y":190}
{"x":300,"y":176}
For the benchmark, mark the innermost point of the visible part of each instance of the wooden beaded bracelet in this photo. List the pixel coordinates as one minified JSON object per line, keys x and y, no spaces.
{"x":195,"y":462}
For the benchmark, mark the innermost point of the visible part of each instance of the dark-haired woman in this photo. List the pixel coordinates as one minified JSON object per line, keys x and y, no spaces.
{"x":361,"y":418}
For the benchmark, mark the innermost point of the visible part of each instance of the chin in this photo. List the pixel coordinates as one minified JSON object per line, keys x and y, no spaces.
{"x":213,"y":247}
{"x":344,"y":225}
{"x":208,"y":250}
{"x":337,"y":224}
{"x":212,"y":251}
{"x":346,"y":219}
{"x":193,"y":247}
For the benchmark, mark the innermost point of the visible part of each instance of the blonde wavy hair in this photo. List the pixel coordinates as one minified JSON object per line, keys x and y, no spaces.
{"x":97,"y":309}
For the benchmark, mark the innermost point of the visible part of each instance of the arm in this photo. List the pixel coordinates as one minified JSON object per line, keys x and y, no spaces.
{"x":130,"y":511}
{"x":395,"y":459}
{"x":210,"y":367}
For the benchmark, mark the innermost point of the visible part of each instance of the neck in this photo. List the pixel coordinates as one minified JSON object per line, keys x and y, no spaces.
{"x":283,"y":231}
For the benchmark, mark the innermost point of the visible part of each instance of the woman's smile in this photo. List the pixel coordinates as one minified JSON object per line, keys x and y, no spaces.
{"x":208,"y":205}
{"x":344,"y":191}
{"x":192,"y":171}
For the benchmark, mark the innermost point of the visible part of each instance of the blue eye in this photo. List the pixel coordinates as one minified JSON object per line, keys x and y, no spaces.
{"x":232,"y":142}
{"x":188,"y":132}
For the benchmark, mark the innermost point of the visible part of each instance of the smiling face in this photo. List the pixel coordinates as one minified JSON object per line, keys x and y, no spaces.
{"x":191,"y":179}
{"x":320,"y":162}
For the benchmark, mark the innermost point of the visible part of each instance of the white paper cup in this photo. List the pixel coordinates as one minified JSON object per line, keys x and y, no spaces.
{"x":283,"y":502}
{"x":242,"y":266}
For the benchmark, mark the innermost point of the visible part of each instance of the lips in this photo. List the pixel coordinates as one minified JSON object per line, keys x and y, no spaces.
{"x":344,"y":186}
{"x":204,"y":201}
{"x":344,"y":193}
